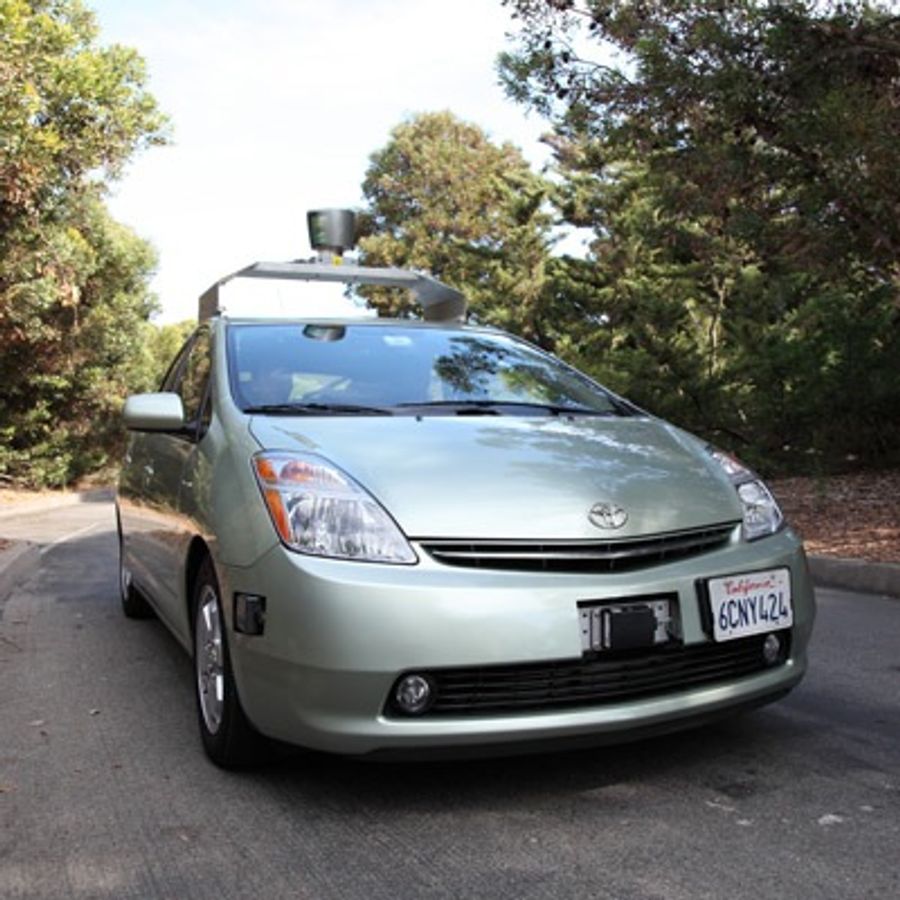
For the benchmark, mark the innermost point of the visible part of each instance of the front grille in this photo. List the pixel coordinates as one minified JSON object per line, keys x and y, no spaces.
{"x":593,"y":680}
{"x":579,"y":556}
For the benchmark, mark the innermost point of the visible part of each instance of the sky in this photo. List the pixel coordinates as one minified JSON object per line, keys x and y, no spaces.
{"x":276,"y":106}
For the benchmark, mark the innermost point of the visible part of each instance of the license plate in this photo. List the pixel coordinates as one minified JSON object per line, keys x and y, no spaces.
{"x":750,"y":603}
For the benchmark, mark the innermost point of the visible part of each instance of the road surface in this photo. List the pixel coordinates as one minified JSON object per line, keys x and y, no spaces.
{"x":105,"y":792}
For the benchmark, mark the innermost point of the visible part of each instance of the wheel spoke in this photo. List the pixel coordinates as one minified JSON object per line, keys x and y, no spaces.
{"x":209,"y":659}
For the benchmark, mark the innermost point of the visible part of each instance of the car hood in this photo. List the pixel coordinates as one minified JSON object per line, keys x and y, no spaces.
{"x":517,"y":478}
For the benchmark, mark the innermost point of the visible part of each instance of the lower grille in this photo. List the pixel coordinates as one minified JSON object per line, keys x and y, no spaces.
{"x":618,"y":555}
{"x":595,"y":680}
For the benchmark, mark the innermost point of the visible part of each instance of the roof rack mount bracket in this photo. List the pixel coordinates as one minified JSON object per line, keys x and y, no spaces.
{"x":439,"y":302}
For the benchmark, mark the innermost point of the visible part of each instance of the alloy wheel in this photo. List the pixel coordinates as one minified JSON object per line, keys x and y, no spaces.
{"x":209,"y":659}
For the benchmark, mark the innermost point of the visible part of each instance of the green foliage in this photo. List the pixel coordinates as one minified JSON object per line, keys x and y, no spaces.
{"x":739,"y":164}
{"x":73,"y":283}
{"x":442,"y":197}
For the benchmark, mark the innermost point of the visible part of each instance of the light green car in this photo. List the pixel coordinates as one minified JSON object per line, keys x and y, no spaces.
{"x":408,"y":537}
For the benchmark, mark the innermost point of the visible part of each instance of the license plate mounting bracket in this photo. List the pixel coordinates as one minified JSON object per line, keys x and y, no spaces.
{"x":628,"y":623}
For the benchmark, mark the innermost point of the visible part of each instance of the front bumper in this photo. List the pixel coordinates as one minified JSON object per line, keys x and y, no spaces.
{"x":338,"y":634}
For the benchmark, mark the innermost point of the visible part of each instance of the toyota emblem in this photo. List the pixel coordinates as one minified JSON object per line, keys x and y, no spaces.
{"x":607,"y":515}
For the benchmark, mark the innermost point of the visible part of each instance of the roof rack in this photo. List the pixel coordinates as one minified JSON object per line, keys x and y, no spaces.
{"x":439,"y":302}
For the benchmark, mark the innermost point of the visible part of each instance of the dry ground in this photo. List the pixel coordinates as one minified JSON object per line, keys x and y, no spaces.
{"x":854,"y":516}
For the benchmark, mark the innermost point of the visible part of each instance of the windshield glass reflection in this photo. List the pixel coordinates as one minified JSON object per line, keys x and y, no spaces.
{"x":400,"y":369}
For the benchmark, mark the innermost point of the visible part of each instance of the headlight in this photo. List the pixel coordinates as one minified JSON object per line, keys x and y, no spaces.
{"x":762,"y":515}
{"x":320,"y":510}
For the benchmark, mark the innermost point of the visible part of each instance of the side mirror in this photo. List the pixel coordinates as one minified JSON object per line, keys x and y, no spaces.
{"x":154,"y":412}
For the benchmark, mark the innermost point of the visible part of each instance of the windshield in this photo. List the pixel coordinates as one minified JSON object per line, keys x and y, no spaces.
{"x":356,"y":369}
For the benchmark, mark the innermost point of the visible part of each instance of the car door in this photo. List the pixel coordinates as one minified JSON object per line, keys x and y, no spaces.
{"x":159,"y":462}
{"x":141,"y":510}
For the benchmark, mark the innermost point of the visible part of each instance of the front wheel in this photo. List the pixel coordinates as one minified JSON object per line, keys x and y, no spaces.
{"x":228,"y":737}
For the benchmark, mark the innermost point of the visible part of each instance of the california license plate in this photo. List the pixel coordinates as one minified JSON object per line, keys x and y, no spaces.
{"x":750,"y":603}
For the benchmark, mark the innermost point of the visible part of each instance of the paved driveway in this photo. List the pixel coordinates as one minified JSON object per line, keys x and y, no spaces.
{"x":104,"y":791}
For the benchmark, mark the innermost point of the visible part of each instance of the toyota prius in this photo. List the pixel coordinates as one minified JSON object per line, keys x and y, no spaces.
{"x":402,"y":537}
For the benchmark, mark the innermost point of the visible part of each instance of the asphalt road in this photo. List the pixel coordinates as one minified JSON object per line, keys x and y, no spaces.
{"x":105,"y":792}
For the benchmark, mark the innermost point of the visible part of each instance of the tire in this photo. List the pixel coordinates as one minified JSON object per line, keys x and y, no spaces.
{"x":133,"y":604}
{"x":229,"y":739}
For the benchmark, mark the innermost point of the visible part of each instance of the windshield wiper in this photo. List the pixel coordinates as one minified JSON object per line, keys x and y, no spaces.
{"x":317,"y":409}
{"x":499,"y":407}
{"x":455,"y":407}
{"x":556,"y":409}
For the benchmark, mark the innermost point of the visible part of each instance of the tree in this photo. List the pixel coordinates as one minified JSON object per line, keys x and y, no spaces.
{"x":442,"y":197}
{"x":726,"y":93}
{"x":73,"y":283}
{"x":740,"y":166}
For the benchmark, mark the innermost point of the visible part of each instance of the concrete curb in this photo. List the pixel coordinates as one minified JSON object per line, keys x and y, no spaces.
{"x":856,"y":575}
{"x":17,"y":563}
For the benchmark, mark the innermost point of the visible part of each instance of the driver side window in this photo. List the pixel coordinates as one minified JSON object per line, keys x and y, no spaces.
{"x":189,"y":378}
{"x":195,"y":378}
